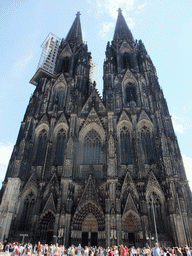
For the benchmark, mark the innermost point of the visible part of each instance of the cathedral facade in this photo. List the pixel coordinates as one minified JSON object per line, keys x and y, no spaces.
{"x":95,"y":170}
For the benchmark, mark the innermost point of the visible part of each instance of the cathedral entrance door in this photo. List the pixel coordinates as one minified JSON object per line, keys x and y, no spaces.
{"x":89,"y":230}
{"x":49,"y":237}
{"x":131,"y":237}
{"x":94,"y":238}
{"x":84,"y":239}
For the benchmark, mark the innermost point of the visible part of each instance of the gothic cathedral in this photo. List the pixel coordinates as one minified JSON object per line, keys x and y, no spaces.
{"x":95,"y":170}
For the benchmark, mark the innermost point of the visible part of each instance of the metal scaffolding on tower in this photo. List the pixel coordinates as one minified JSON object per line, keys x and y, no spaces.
{"x":46,"y":65}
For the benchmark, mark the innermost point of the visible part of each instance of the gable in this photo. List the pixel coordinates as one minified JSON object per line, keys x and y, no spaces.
{"x":50,"y":205}
{"x":130,"y":205}
{"x":61,"y":80}
{"x":95,"y":101}
{"x":129,"y":184}
{"x":92,"y":117}
{"x":89,"y":194}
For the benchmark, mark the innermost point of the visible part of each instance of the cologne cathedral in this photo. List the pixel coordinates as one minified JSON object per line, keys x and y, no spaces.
{"x":96,"y":170}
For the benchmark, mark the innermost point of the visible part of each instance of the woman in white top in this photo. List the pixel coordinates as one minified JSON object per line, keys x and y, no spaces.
{"x":56,"y":251}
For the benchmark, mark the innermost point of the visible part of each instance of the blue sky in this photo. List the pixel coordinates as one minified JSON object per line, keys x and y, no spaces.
{"x":165,"y":27}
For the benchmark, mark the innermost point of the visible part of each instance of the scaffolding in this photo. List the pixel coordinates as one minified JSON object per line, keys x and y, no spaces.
{"x":46,"y":65}
{"x":49,"y":53}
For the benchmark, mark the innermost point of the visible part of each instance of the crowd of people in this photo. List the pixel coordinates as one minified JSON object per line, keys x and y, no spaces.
{"x":16,"y":249}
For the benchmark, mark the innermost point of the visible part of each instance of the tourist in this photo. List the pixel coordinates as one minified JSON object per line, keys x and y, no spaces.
{"x":177,"y":252}
{"x":56,"y":250}
{"x":1,"y":247}
{"x":156,"y":250}
{"x":110,"y":253}
{"x":15,"y":249}
{"x":79,"y":250}
{"x":27,"y":251}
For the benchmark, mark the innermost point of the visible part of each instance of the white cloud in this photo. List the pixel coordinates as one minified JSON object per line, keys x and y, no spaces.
{"x":20,"y":65}
{"x":141,"y":6}
{"x":110,"y":7}
{"x":178,"y":127}
{"x":5,"y":154}
{"x":105,"y":28}
{"x":188,"y":168}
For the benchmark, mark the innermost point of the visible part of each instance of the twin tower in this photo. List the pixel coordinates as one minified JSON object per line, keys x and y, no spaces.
{"x":95,"y":170}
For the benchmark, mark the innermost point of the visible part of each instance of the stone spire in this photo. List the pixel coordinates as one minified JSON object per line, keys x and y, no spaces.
{"x":75,"y":34}
{"x":121,"y":30}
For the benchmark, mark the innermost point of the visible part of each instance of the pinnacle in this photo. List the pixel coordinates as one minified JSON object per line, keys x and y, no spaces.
{"x":121,"y":29}
{"x":75,"y":34}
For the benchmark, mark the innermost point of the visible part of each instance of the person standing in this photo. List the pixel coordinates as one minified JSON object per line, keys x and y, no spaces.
{"x":156,"y":250}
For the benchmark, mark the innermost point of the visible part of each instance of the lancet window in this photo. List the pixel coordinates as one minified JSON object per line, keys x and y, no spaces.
{"x":125,"y":143}
{"x":127,"y":61}
{"x":131,"y":93}
{"x":60,"y":148}
{"x":41,"y":149}
{"x":59,"y":98}
{"x":155,"y":210}
{"x":66,"y":64}
{"x":92,"y":148}
{"x":146,"y":141}
{"x":27,"y":212}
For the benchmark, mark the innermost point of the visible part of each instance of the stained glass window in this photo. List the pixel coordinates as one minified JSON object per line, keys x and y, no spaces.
{"x":60,"y":148}
{"x":59,"y":98}
{"x":146,"y":145}
{"x":130,"y":93}
{"x":27,"y":212}
{"x":125,"y":142}
{"x":92,"y":148}
{"x":155,"y":214}
{"x":41,"y":149}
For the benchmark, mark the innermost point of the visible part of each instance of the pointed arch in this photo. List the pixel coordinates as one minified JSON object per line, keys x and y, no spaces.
{"x":130,"y":93}
{"x":145,"y":129}
{"x":47,"y":221}
{"x":88,"y":208}
{"x":131,"y":222}
{"x":41,"y":147}
{"x":127,"y":61}
{"x":156,"y":211}
{"x":27,"y":211}
{"x":90,"y":223}
{"x":60,"y":147}
{"x":125,"y":146}
{"x":92,"y":148}
{"x":122,"y":123}
{"x":146,"y":142}
{"x":58,"y":96}
{"x":92,"y":126}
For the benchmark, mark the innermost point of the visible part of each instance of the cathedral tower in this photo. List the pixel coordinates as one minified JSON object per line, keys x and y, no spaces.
{"x":95,"y":170}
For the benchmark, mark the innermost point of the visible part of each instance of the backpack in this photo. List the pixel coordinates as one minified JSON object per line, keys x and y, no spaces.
{"x":17,"y":251}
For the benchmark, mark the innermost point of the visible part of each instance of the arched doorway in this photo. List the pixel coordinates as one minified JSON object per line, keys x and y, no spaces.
{"x":90,"y":230}
{"x":47,"y":228}
{"x":131,"y":226}
{"x":88,"y":222}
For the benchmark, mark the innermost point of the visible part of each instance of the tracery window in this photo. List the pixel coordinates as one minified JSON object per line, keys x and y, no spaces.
{"x":147,"y":145}
{"x":125,"y":143}
{"x":155,"y":211}
{"x":59,"y":98}
{"x":41,"y":149}
{"x":27,"y":212}
{"x":92,"y":148}
{"x":127,"y":61}
{"x":66,"y":64}
{"x":131,"y":93}
{"x":60,"y":148}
